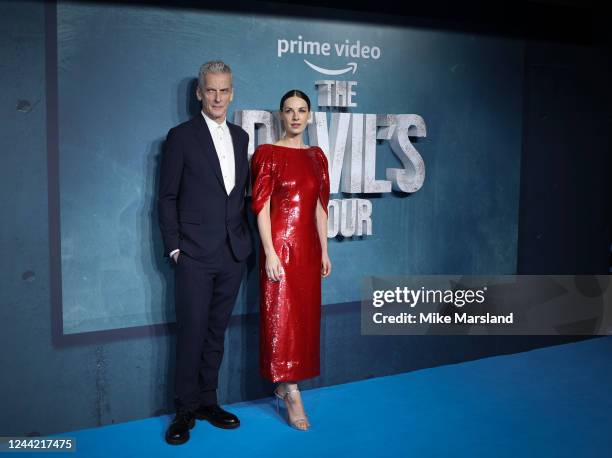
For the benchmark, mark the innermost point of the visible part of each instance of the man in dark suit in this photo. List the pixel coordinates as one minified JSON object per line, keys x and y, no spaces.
{"x":204,"y":172}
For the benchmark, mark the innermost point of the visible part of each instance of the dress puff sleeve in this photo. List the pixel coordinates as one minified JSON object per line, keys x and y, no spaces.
{"x":262,"y":178}
{"x":324,"y":189}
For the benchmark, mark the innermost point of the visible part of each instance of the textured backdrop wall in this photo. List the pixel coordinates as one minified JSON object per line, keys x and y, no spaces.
{"x":124,"y":78}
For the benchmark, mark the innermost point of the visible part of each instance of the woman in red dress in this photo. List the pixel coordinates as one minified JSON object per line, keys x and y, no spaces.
{"x":290,"y":196}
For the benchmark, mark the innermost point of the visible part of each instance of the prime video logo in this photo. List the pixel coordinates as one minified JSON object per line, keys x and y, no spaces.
{"x":317,"y":48}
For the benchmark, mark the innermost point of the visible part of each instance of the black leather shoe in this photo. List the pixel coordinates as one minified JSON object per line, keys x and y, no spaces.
{"x":218,"y":417}
{"x":178,"y":431}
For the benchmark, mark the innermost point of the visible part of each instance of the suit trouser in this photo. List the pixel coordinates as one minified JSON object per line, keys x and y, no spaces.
{"x":205,"y":293}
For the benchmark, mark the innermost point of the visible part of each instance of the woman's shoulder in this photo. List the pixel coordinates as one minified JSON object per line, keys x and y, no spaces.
{"x":264,"y":150}
{"x":319,"y":152}
{"x":263,"y":155}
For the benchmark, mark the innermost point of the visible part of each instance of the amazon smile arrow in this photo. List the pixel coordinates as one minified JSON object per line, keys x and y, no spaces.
{"x":351,"y":66}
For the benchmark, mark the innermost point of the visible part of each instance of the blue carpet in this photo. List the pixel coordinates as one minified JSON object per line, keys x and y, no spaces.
{"x":551,"y":402}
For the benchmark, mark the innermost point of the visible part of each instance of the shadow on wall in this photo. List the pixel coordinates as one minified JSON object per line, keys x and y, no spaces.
{"x":161,"y":270}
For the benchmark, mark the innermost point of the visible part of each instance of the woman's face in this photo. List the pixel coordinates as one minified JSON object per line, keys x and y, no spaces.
{"x":295,"y":115}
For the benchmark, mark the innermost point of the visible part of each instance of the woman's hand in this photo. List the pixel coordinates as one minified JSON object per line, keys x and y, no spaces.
{"x":325,"y":265}
{"x":274,"y":269}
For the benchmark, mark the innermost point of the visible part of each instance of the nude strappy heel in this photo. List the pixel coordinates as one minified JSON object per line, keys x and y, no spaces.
{"x":298,"y":422}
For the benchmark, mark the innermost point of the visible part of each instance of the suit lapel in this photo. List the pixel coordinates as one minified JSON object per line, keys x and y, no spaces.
{"x":208,"y":146}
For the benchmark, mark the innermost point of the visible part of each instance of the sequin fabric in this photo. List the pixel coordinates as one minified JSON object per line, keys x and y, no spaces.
{"x":290,"y":309}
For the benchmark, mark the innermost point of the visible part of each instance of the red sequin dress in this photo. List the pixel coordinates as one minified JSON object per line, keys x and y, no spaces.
{"x":290,"y":309}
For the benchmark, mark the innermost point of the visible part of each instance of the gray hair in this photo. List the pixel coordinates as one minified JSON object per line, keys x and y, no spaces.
{"x":214,"y":66}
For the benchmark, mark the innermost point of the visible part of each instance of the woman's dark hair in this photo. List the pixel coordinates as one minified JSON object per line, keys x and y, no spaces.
{"x":294,"y":93}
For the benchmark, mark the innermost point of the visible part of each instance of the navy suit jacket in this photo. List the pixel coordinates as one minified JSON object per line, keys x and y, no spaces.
{"x":195,"y":213}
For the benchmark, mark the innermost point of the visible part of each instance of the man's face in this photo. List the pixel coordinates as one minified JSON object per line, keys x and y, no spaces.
{"x":216,"y":95}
